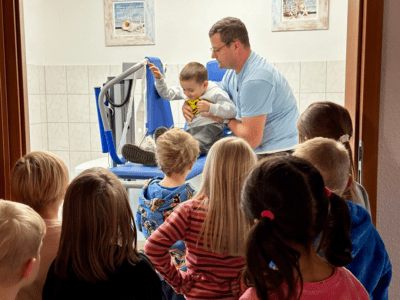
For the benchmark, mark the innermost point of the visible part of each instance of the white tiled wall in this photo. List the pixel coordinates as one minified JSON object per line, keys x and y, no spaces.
{"x":62,"y":109}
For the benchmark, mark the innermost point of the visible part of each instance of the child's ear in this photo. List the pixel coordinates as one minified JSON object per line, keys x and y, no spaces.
{"x":28,"y":268}
{"x":349,"y":182}
{"x":205,"y":84}
{"x":190,"y":167}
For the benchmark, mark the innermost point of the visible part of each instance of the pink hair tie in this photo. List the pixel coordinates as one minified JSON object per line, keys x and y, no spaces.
{"x":328,"y":192}
{"x":268,"y":214}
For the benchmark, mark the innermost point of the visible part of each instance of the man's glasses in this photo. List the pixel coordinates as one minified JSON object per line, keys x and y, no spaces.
{"x":217,"y":50}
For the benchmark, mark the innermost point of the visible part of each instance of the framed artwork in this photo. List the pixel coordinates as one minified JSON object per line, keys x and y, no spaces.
{"x":290,"y":15}
{"x":129,"y":22}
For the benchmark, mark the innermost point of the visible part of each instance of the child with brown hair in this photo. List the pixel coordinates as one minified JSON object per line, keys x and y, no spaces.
{"x":333,"y":121}
{"x":98,"y":256}
{"x":205,"y":96}
{"x":21,"y":235}
{"x":286,"y":199}
{"x":40,"y":179}
{"x":370,"y":264}
{"x":212,"y":227}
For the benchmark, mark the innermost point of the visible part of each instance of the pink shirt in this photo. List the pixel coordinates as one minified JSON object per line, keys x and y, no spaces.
{"x":48,"y":253}
{"x":341,"y":285}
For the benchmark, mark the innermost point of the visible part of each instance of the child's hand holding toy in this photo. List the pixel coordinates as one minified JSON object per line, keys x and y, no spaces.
{"x":203,"y":106}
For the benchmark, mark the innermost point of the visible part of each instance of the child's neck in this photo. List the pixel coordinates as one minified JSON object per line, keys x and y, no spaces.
{"x":174,"y":180}
{"x":313,"y":267}
{"x":50,"y":213}
{"x":9,"y":293}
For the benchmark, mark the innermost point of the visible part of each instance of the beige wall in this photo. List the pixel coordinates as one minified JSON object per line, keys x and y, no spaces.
{"x":388,"y":220}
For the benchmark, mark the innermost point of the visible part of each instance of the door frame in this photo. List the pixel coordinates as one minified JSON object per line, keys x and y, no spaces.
{"x":14,"y":122}
{"x":363,"y":85}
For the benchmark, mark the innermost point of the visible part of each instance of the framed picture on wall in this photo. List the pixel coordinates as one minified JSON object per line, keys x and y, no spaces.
{"x":290,"y":15}
{"x":129,"y":22}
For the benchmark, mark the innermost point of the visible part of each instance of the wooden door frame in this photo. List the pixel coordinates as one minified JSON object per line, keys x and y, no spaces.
{"x":14,"y":130}
{"x":363,"y":83}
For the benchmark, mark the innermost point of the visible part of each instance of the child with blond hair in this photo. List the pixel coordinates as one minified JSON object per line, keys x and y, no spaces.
{"x":21,"y":235}
{"x":40,"y":179}
{"x":176,"y":153}
{"x":206,"y":97}
{"x":330,"y":120}
{"x":370,"y":264}
{"x":212,"y":227}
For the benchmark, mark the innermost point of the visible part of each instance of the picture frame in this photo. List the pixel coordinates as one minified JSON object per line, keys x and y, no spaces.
{"x":288,"y":15}
{"x":129,"y":23}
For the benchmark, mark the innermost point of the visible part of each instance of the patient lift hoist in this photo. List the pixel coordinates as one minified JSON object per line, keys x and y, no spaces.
{"x":117,"y":127}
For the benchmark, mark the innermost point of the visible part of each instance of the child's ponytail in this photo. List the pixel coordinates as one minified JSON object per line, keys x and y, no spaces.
{"x":264,"y":246}
{"x":335,"y":241}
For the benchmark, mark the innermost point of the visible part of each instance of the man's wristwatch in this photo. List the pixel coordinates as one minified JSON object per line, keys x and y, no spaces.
{"x":226,"y":121}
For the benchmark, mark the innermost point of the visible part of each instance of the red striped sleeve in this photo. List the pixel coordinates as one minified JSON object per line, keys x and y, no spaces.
{"x":210,"y":275}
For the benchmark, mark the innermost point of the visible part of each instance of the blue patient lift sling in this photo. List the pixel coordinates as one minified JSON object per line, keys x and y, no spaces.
{"x":158,"y":114}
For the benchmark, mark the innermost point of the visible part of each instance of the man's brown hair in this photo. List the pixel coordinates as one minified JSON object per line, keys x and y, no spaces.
{"x":194,"y":71}
{"x":231,"y":29}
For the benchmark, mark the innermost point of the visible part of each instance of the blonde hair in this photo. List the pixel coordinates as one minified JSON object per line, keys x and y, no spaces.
{"x":195,"y":71}
{"x":39,"y":179}
{"x":21,"y":233}
{"x":176,"y":151}
{"x":98,"y":231}
{"x":330,"y":158}
{"x":227,"y":166}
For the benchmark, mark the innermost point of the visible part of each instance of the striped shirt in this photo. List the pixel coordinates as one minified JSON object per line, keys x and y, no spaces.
{"x":209,"y":275}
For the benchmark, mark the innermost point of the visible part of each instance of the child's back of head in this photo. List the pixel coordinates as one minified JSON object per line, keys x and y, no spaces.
{"x":330,"y":158}
{"x":98,"y":231}
{"x":21,"y":233}
{"x":331,"y":120}
{"x":39,"y":179}
{"x":287,"y":196}
{"x":227,"y":165}
{"x":176,"y":151}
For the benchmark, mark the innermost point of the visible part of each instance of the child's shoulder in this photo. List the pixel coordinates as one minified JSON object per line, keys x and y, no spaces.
{"x":214,"y":89}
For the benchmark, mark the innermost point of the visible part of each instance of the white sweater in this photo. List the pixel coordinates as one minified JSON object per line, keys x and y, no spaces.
{"x":221,"y":105}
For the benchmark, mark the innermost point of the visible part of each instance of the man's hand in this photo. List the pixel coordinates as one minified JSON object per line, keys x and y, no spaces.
{"x":187,"y":112}
{"x":218,"y":119}
{"x":203,"y":106}
{"x":156,"y":72}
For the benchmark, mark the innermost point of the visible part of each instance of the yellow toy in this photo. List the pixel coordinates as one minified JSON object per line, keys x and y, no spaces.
{"x":194,"y":106}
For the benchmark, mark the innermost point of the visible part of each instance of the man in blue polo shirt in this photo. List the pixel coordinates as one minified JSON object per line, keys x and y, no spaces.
{"x":266,"y":108}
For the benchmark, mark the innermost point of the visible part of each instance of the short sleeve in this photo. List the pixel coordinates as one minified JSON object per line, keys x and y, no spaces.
{"x":256,"y":98}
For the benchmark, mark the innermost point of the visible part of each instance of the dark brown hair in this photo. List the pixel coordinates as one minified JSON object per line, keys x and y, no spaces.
{"x":294,"y":191}
{"x":98,"y":230}
{"x":195,"y":71}
{"x":231,"y":29}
